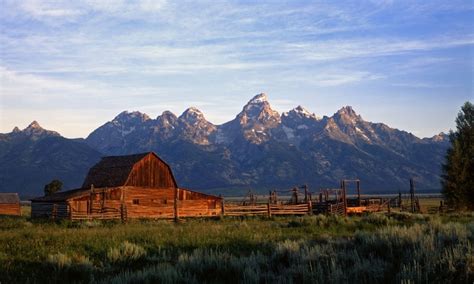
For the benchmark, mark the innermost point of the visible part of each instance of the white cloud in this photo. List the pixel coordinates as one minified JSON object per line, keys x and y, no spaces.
{"x":39,"y":9}
{"x":15,"y":84}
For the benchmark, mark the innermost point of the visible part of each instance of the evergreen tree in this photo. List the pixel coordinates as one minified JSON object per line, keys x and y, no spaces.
{"x":458,"y":171}
{"x":53,"y":187}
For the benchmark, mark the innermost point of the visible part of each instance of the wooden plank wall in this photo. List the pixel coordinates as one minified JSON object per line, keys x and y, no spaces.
{"x":151,"y":172}
{"x":131,"y":202}
{"x":199,"y":208}
{"x":149,"y":203}
{"x":59,"y":210}
{"x":10,"y":209}
{"x":159,"y":203}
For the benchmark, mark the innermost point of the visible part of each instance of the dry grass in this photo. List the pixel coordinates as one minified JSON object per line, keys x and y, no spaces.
{"x":372,"y":248}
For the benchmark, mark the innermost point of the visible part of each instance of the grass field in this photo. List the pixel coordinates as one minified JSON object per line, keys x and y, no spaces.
{"x":379,"y":248}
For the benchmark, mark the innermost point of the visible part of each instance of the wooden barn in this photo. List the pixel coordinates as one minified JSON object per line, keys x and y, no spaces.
{"x":123,"y":187}
{"x":10,"y":204}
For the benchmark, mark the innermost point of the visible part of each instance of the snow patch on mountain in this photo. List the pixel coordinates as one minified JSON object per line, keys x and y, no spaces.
{"x":290,"y":133}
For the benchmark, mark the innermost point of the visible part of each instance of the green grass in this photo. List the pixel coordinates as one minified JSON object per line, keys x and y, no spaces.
{"x":311,"y":249}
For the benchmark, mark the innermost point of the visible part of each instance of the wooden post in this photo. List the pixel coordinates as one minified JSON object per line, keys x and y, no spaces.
{"x":310,"y":207}
{"x":358,"y":192}
{"x":269,"y":210}
{"x":412,"y":195}
{"x":176,"y":217}
{"x":123,"y":208}
{"x":222,"y":207}
{"x":344,"y":194}
{"x":55,"y":210}
{"x":305,"y":193}
{"x":400,"y":199}
{"x":388,"y":206}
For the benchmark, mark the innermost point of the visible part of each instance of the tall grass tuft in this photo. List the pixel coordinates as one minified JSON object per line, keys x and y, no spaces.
{"x":126,"y":253}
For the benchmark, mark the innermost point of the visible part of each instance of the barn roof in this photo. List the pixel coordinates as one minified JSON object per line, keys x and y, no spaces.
{"x":113,"y":170}
{"x":9,"y":198}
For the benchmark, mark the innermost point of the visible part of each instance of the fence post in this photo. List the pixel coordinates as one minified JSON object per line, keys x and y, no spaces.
{"x":55,"y":209}
{"x":388,"y":206}
{"x":222,"y":207}
{"x":269,"y":210}
{"x":176,"y":204}
{"x":344,"y":194}
{"x":310,"y":207}
{"x":412,"y":195}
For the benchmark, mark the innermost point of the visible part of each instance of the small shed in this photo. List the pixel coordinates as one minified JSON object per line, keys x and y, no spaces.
{"x":132,"y":186}
{"x":10,"y":204}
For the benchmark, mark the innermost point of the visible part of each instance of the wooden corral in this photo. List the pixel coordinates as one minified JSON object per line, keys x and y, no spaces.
{"x":128,"y":187}
{"x":10,"y":204}
{"x":301,"y":201}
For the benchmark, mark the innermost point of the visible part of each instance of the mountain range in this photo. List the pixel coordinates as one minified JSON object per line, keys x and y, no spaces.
{"x":259,"y":149}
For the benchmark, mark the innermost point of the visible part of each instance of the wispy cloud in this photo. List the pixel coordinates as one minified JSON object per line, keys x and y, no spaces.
{"x":147,"y":53}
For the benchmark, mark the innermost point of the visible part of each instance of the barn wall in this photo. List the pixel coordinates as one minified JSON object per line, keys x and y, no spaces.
{"x":149,"y":203}
{"x":58,"y":210}
{"x":130,"y":202}
{"x":10,"y":209}
{"x":159,"y":203}
{"x":151,"y":172}
{"x":100,"y":204}
{"x":199,"y":208}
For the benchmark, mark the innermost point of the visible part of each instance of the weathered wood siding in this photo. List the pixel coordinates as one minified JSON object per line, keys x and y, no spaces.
{"x":99,"y":204}
{"x":10,"y":209}
{"x":58,"y":210}
{"x":151,"y":172}
{"x":159,"y":203}
{"x":131,"y":203}
{"x":199,"y":208}
{"x":149,"y":203}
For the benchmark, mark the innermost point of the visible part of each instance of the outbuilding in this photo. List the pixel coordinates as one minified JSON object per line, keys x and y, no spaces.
{"x":123,"y":187}
{"x":10,"y":204}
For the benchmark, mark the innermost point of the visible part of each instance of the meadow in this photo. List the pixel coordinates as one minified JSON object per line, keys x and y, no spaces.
{"x":375,"y":248}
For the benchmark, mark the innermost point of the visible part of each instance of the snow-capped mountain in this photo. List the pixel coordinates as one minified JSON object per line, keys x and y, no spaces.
{"x":259,"y":148}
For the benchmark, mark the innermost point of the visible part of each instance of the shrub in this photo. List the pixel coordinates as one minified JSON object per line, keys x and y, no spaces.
{"x":126,"y":253}
{"x":70,"y":269}
{"x":376,"y":219}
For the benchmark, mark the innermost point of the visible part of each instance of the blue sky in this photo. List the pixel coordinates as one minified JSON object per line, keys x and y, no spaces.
{"x":73,"y":65}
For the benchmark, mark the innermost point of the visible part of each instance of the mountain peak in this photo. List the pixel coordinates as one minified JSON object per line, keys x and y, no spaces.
{"x":347,"y":114}
{"x":134,"y":115}
{"x":35,"y":131}
{"x":192,"y":115}
{"x":258,"y":108}
{"x":440,"y":137}
{"x":34,"y":125}
{"x":258,"y":99}
{"x":16,"y":130}
{"x":301,"y":111}
{"x":168,"y":114}
{"x":348,"y":110}
{"x":167,"y":119}
{"x":193,"y":111}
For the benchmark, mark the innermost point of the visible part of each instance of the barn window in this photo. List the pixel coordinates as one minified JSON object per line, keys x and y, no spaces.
{"x":136,"y":201}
